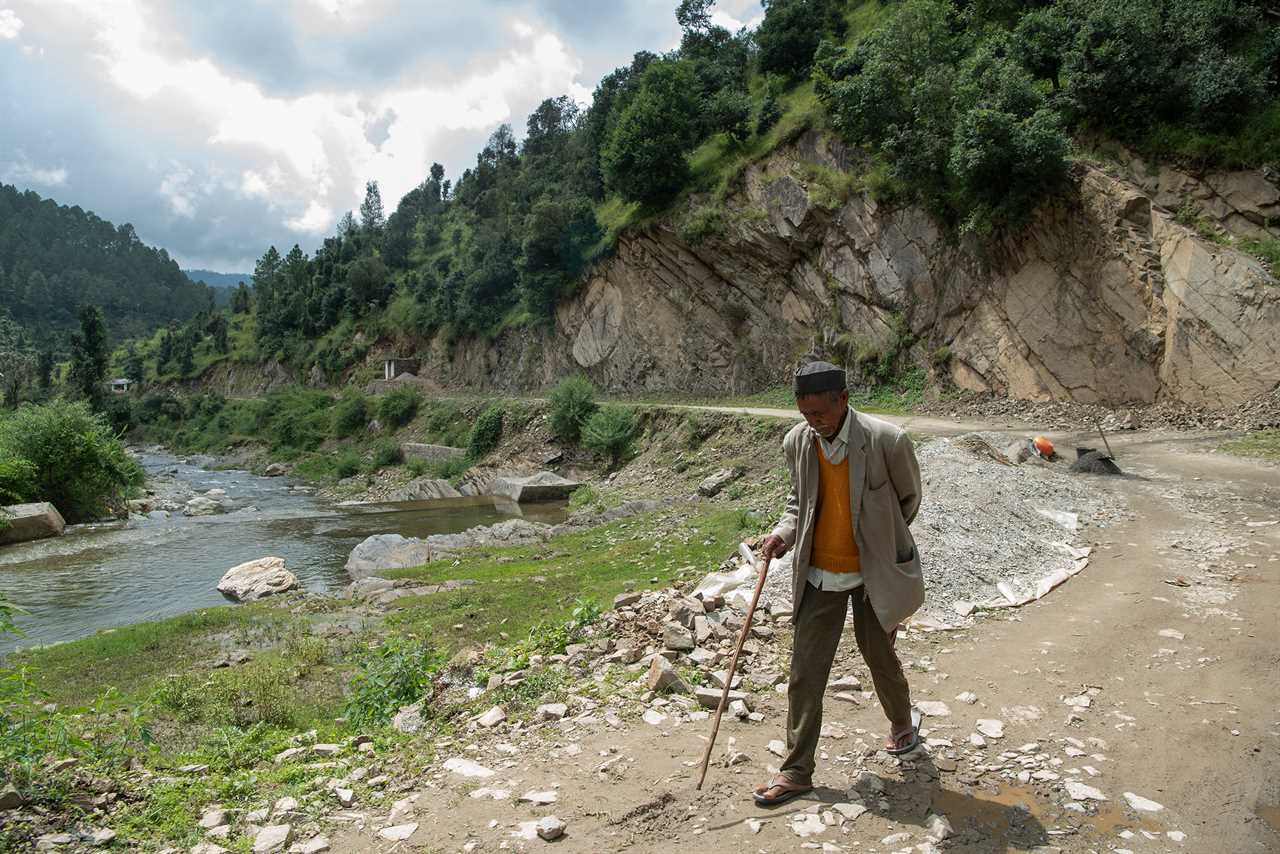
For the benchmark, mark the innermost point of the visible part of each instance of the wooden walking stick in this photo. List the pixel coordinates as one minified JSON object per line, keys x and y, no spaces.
{"x":733,"y":664}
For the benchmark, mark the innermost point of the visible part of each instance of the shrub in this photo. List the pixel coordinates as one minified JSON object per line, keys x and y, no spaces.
{"x":62,"y":453}
{"x":396,"y":674}
{"x":350,"y":415}
{"x":486,"y":432}
{"x":399,"y":407}
{"x":387,"y":453}
{"x":609,"y":432}
{"x":572,"y":403}
{"x":346,"y":464}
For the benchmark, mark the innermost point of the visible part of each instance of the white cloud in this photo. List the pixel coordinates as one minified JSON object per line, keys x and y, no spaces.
{"x":317,"y":218}
{"x":10,"y":24}
{"x":175,"y":188}
{"x":21,"y":170}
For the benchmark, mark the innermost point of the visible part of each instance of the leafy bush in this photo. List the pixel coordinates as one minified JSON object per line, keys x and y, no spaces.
{"x":791,"y":30}
{"x":62,"y":453}
{"x":486,"y":432}
{"x":387,"y":453}
{"x":350,"y":415}
{"x":399,"y":407}
{"x":644,"y":157}
{"x":609,"y":432}
{"x":396,"y":674}
{"x":346,"y":464}
{"x":572,"y":402}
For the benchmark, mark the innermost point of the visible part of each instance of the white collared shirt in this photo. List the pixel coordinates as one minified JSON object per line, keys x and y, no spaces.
{"x":835,"y":450}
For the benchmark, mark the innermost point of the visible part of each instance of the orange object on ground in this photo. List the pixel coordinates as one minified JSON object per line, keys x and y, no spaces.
{"x":1043,"y":446}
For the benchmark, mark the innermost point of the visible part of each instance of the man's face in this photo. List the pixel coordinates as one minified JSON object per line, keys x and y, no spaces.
{"x":824,"y":411}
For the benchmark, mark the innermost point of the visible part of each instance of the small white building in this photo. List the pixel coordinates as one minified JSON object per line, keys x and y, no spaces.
{"x":392,"y":368}
{"x":121,"y":385}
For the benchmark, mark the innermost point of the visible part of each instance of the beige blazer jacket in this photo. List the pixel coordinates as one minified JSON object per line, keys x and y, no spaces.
{"x":884,"y":492}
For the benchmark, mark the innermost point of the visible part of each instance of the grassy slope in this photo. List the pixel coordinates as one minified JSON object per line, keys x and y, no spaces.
{"x":1264,"y":444}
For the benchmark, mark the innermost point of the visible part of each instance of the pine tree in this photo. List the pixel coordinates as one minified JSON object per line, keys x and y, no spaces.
{"x":89,"y":355}
{"x":371,"y":216}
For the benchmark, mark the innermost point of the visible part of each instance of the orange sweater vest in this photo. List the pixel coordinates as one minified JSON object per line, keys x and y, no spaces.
{"x":834,"y":547}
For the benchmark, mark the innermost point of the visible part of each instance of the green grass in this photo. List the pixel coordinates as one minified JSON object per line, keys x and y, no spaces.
{"x":1254,"y":144}
{"x":518,"y":588}
{"x":1264,"y":444}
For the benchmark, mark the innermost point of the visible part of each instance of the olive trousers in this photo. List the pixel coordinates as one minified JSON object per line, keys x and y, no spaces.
{"x":819,"y":624}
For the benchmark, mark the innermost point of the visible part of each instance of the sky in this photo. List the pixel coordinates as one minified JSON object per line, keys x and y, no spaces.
{"x":219,"y":127}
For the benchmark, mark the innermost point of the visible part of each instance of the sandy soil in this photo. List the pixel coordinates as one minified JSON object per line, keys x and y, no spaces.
{"x":1192,"y":723}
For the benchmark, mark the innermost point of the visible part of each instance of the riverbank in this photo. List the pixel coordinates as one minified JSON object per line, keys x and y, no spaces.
{"x":200,"y":707}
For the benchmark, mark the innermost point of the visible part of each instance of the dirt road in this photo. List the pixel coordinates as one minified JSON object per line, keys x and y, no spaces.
{"x":1165,"y":646}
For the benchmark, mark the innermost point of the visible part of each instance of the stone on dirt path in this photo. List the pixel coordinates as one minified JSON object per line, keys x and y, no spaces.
{"x":551,"y":828}
{"x":398,"y":832}
{"x":933,"y":709}
{"x":540,"y":798}
{"x":466,"y":768}
{"x":663,"y":677}
{"x":492,"y":718}
{"x":807,"y":824}
{"x":778,"y":748}
{"x":551,"y":711}
{"x":1082,"y":792}
{"x":314,"y":845}
{"x":272,"y":838}
{"x":1141,"y":804}
{"x":991,"y":728}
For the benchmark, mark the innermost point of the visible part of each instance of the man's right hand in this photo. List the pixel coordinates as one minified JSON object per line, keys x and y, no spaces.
{"x":773,"y":546}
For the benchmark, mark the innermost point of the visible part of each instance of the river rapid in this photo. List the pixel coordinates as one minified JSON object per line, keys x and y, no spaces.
{"x":104,"y":575}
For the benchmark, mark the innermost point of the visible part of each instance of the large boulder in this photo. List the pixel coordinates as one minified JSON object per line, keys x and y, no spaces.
{"x":387,"y":551}
{"x":543,"y":486}
{"x":23,"y":522}
{"x":257,"y":578}
{"x":202,"y":506}
{"x":711,"y":486}
{"x":511,"y":532}
{"x":424,"y":489}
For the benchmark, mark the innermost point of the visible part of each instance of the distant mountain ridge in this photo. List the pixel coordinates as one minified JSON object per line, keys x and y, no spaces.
{"x":55,"y":258}
{"x":219,"y":280}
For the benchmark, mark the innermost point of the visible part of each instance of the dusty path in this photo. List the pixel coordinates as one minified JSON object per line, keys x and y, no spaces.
{"x":1189,"y":719}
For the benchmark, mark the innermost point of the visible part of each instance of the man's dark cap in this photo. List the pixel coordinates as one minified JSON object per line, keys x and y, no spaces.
{"x":817,"y":377}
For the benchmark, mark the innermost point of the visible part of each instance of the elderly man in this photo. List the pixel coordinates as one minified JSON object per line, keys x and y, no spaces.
{"x":855,"y":487}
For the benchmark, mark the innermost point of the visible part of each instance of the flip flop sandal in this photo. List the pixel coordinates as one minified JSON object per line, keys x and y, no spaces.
{"x":788,"y":793}
{"x":915,"y":737}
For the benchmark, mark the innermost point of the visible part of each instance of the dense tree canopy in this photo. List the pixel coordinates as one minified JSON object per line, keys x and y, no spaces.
{"x":54,"y":259}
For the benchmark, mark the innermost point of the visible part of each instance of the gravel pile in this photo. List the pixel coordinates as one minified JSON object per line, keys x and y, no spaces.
{"x":1261,"y":412}
{"x":987,"y":524}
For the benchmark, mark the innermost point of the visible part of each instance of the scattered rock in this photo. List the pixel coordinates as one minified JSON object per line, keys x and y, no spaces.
{"x":967,"y":697}
{"x":213,"y":817}
{"x":10,"y":799}
{"x":346,"y":797}
{"x":551,"y":711}
{"x":1172,"y":634}
{"x":466,"y":768}
{"x":1141,"y":804}
{"x":933,"y":708}
{"x":778,"y":748}
{"x":991,"y":728}
{"x":398,"y":832}
{"x":539,"y":798}
{"x":711,"y":485}
{"x":276,"y":470}
{"x":202,"y":506}
{"x":1082,"y":792}
{"x":653,"y":717}
{"x":492,"y":718}
{"x":273,"y":837}
{"x":551,"y":828}
{"x":408,"y":719}
{"x":807,"y":824}
{"x":663,"y":677}
{"x":938,"y":828}
{"x":314,"y":845}
{"x":677,"y":637}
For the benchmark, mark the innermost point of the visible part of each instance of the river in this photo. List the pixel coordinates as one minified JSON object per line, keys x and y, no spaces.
{"x":104,"y":575}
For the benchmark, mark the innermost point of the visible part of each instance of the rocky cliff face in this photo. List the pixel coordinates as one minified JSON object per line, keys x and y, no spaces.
{"x":1105,"y":297}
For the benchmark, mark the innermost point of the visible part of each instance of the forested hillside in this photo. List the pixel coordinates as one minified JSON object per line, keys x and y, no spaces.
{"x":217,"y":280}
{"x":973,"y":110}
{"x":55,"y":258}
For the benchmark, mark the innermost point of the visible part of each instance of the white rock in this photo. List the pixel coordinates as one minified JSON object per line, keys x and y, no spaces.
{"x":493,"y":794}
{"x":1172,"y":634}
{"x":551,"y":711}
{"x":492,"y":718}
{"x":284,"y":805}
{"x":202,"y":848}
{"x":807,"y":824}
{"x":777,"y":748}
{"x":1082,"y":701}
{"x":255,"y":579}
{"x":991,"y":728}
{"x":753,"y":825}
{"x":934,"y":708}
{"x":1141,"y":804}
{"x":213,"y":817}
{"x":977,"y":740}
{"x":345,"y":797}
{"x":654,"y":717}
{"x":102,"y":836}
{"x":273,"y":837}
{"x":1176,"y":835}
{"x":1081,"y":792}
{"x":550,"y":828}
{"x":895,"y":838}
{"x":408,"y":719}
{"x":851,"y":812}
{"x":967,"y":697}
{"x":398,"y":832}
{"x":314,"y":845}
{"x":540,"y":798}
{"x":739,"y":709}
{"x":466,"y":768}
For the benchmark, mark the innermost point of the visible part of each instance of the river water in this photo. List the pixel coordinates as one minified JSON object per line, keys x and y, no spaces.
{"x":99,"y":576}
